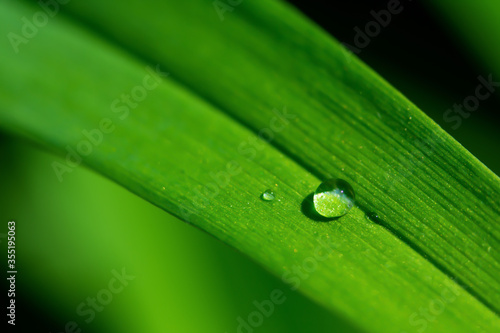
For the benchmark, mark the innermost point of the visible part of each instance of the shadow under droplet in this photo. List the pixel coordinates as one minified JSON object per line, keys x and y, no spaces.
{"x":308,"y":210}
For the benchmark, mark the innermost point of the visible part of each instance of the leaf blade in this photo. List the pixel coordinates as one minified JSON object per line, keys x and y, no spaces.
{"x":345,"y":94}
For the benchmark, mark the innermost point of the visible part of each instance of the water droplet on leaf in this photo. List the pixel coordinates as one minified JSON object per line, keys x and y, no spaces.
{"x":333,"y":198}
{"x":372,"y":216}
{"x":268,"y":195}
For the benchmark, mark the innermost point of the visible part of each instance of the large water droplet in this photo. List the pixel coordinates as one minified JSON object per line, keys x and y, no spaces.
{"x":333,"y":198}
{"x":268,"y":195}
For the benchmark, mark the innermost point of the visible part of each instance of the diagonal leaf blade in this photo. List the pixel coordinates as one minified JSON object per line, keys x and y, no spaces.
{"x":424,"y":186}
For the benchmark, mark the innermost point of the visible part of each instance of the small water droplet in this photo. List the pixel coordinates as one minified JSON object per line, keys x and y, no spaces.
{"x":333,"y":198}
{"x":268,"y":195}
{"x":372,"y":216}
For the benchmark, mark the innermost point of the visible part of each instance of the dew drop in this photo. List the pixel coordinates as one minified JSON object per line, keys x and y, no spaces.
{"x":333,"y":198}
{"x":372,"y":216}
{"x":268,"y":195}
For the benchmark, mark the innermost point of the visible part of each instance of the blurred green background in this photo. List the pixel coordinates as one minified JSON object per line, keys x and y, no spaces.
{"x":72,"y":235}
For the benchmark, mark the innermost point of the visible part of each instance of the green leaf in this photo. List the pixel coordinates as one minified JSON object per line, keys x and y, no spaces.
{"x":264,"y":99}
